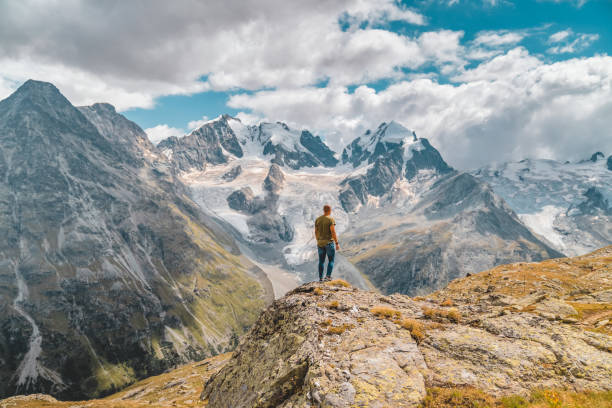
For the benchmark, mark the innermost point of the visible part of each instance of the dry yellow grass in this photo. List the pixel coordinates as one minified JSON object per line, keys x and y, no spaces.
{"x":333,"y":304}
{"x":338,"y":282}
{"x":451,"y":314}
{"x":468,"y":397}
{"x":317,"y":291}
{"x":414,"y":327}
{"x":567,"y":274}
{"x":385,"y":312}
{"x":339,"y":329}
{"x":446,"y":303}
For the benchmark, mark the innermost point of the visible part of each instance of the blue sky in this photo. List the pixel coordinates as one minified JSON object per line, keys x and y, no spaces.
{"x":484,"y":80}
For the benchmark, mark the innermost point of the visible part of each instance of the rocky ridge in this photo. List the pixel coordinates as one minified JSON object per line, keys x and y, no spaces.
{"x":335,"y":346}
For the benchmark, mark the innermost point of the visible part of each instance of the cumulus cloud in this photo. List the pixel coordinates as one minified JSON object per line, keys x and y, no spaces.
{"x":512,"y":107}
{"x":129,"y":53}
{"x":160,"y":132}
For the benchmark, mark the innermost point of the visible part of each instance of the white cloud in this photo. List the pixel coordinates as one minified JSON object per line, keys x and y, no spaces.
{"x":567,"y":42}
{"x":381,"y":11}
{"x":559,"y":36}
{"x":231,"y":45}
{"x":248,"y":118}
{"x":160,"y":132}
{"x":194,"y":124}
{"x":443,"y":48}
{"x":498,"y":38}
{"x":512,"y":107}
{"x":576,"y":3}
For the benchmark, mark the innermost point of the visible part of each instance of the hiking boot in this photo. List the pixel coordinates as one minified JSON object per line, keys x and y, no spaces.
{"x":327,"y":278}
{"x":320,"y":279}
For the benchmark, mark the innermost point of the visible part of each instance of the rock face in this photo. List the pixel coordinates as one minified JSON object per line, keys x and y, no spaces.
{"x":318,"y":148}
{"x":595,"y":203}
{"x":232,"y":173}
{"x":335,"y":346}
{"x":609,"y":163}
{"x":204,"y":145}
{"x":108,"y":272}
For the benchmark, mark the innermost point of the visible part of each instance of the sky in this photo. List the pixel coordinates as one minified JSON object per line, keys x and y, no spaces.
{"x":484,"y":80}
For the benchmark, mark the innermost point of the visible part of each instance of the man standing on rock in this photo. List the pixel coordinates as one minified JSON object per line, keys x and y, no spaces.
{"x":325,"y":232}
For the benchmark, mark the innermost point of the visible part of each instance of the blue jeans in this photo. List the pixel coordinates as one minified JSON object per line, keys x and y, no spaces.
{"x":328,"y":250}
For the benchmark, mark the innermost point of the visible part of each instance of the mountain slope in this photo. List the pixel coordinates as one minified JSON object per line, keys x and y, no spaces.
{"x":108,"y":271}
{"x":569,"y":204}
{"x":329,"y":345}
{"x":416,"y":223}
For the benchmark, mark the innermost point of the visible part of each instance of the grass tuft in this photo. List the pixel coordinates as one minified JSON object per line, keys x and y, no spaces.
{"x":386,"y":312}
{"x":414,"y":327}
{"x":451,"y":314}
{"x":333,"y":304}
{"x":447,"y":303}
{"x":339,"y":329}
{"x":317,"y":291}
{"x":338,"y":282}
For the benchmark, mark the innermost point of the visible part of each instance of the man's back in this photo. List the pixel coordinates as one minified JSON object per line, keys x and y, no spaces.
{"x":323,"y":225}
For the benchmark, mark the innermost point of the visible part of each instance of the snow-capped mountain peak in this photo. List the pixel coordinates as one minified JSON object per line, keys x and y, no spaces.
{"x":226,"y":138}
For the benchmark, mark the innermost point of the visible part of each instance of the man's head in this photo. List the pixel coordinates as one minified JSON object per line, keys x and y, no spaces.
{"x":326,"y":209}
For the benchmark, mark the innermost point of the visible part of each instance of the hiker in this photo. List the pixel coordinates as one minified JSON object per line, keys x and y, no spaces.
{"x":325,"y":232}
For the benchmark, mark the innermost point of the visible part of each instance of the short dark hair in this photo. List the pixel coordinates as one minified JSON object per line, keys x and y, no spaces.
{"x":326,"y":208}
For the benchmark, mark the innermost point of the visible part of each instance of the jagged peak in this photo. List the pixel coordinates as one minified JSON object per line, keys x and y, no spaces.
{"x":34,"y":86}
{"x":103,"y":107}
{"x":43,"y":94}
{"x":597,"y":156}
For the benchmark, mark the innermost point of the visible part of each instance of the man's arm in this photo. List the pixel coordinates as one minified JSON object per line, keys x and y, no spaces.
{"x":316,"y":233}
{"x":334,"y":237}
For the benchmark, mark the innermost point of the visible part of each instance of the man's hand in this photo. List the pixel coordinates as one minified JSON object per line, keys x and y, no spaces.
{"x":337,"y":246}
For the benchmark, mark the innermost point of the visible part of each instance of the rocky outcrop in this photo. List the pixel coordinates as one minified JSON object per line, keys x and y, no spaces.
{"x":232,"y":174}
{"x":595,"y":202}
{"x":108,"y":272}
{"x":275,"y":179}
{"x":265,"y":224}
{"x":336,"y":346}
{"x":242,"y":200}
{"x":597,"y":156}
{"x":609,"y":163}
